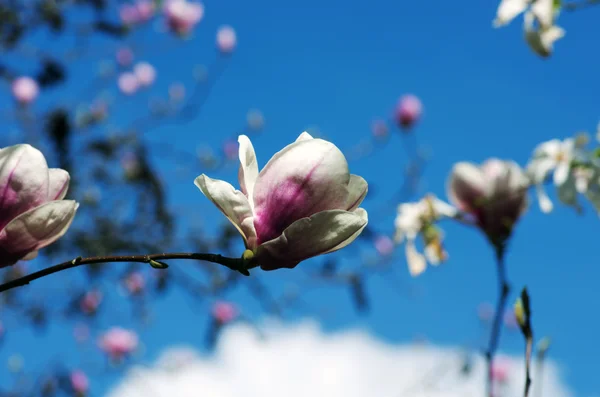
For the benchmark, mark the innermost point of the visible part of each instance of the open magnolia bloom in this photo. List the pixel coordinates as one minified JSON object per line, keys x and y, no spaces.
{"x":556,"y":156}
{"x":495,"y":194}
{"x":419,"y":218}
{"x":33,"y":213}
{"x":303,"y":203}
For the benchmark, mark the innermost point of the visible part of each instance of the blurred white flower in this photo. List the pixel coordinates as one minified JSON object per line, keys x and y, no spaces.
{"x":416,"y":219}
{"x":541,"y":38}
{"x":542,"y":10}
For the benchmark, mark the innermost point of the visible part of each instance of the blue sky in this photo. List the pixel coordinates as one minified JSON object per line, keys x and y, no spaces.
{"x":340,"y":65}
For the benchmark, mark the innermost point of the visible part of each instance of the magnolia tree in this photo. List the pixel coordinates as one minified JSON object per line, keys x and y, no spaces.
{"x":304,"y":203}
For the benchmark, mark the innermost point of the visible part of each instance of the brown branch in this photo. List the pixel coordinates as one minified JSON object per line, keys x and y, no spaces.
{"x":237,"y":264}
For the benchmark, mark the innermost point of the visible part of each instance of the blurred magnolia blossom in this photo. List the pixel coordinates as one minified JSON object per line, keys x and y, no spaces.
{"x":224,"y":312}
{"x":33,"y":213}
{"x":555,"y":157}
{"x":176,"y":92}
{"x":408,"y":111}
{"x":302,"y":204}
{"x":25,"y":90}
{"x":118,"y":342}
{"x":128,"y":83}
{"x":255,"y":120}
{"x":80,"y":383}
{"x":494,"y":194}
{"x":129,"y":14}
{"x":384,"y":245}
{"x":539,"y":17}
{"x":145,"y":73}
{"x":91,"y":301}
{"x":419,"y":218}
{"x":226,"y":39}
{"x":183,"y":15}
{"x":124,"y":56}
{"x":379,"y":129}
{"x":135,"y":283}
{"x":500,"y":370}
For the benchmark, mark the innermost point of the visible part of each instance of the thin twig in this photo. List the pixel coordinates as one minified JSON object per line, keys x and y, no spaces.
{"x":237,"y":264}
{"x":580,"y":4}
{"x":528,"y":349}
{"x":497,"y":324}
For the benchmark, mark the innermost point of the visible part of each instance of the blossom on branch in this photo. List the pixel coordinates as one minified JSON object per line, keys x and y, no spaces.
{"x":183,"y":15}
{"x":33,"y":213}
{"x":302,"y":204}
{"x":495,"y":194}
{"x":118,"y":342}
{"x":419,"y":218}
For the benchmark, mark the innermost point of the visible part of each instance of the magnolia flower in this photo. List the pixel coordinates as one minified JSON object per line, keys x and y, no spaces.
{"x":226,"y":39}
{"x":33,"y":213}
{"x":416,"y":219}
{"x":302,"y":204}
{"x":495,"y":194}
{"x":541,"y":38}
{"x":118,"y":342}
{"x":79,"y":383}
{"x":557,"y":157}
{"x":128,"y":83}
{"x":182,"y":15}
{"x":224,"y":312}
{"x":135,"y":283}
{"x":408,"y":111}
{"x":25,"y":90}
{"x":91,"y":301}
{"x":542,"y":10}
{"x":144,"y":73}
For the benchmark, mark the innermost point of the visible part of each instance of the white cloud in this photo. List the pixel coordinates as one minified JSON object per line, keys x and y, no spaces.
{"x":302,"y":361}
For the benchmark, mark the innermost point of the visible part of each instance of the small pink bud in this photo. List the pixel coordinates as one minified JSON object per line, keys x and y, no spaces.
{"x":129,"y":14}
{"x":124,"y":56}
{"x":91,"y":301}
{"x":224,"y":312}
{"x":80,"y":383}
{"x":379,"y":129}
{"x":384,"y":245}
{"x":182,"y":15}
{"x":145,"y":73}
{"x":135,"y":283}
{"x":408,"y":111}
{"x":128,"y":83}
{"x":226,"y":39}
{"x":118,"y":342}
{"x":25,"y":90}
{"x":145,"y":9}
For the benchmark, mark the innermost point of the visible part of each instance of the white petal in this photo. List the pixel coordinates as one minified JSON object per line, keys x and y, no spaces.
{"x":416,"y":261}
{"x":248,"y":168}
{"x":543,"y":199}
{"x":58,"y":183}
{"x":466,"y":186}
{"x":508,"y":10}
{"x":443,"y":209}
{"x":544,"y":12}
{"x":357,"y":191}
{"x":541,"y":40}
{"x":539,"y":168}
{"x":38,"y":227}
{"x":561,"y":173}
{"x":232,"y":203}
{"x":324,"y":232}
{"x":304,"y":136}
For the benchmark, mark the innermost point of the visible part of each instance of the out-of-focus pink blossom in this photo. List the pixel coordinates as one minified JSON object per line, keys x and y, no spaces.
{"x":128,"y":83}
{"x":124,"y":56}
{"x":176,"y":92}
{"x":408,"y":111}
{"x":384,"y":245}
{"x":145,"y":73}
{"x":226,"y":39}
{"x":91,"y":301}
{"x":224,"y":312}
{"x":80,"y":383}
{"x":118,"y":342}
{"x":25,"y":90}
{"x":129,"y":14}
{"x":230,"y":148}
{"x":145,"y":9}
{"x":500,"y":370}
{"x":485,"y":311}
{"x":81,"y":333}
{"x":33,"y":212}
{"x":183,"y":15}
{"x":135,"y":283}
{"x":379,"y":129}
